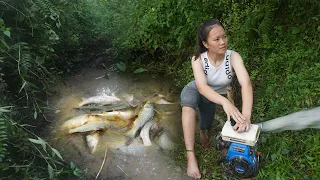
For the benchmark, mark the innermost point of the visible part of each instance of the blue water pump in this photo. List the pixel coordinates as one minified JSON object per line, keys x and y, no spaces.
{"x":242,"y":159}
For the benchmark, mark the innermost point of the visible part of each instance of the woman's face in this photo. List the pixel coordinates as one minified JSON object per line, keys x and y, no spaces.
{"x":217,"y":41}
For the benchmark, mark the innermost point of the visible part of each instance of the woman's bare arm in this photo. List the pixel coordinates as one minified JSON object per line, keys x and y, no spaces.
{"x":246,"y":87}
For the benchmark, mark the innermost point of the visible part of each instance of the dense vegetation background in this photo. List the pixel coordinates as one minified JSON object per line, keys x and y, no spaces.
{"x":41,"y":41}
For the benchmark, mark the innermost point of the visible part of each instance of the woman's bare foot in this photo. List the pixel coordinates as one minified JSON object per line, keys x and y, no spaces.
{"x":193,"y":169}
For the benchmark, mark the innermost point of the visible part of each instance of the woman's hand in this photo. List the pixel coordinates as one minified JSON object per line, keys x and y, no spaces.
{"x":243,"y":127}
{"x":233,"y":112}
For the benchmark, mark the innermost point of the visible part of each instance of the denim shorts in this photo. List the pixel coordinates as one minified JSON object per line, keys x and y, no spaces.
{"x":191,"y":97}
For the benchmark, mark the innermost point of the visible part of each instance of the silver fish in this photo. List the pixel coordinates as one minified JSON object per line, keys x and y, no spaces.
{"x":162,"y":101}
{"x":102,"y":100}
{"x":103,"y":125}
{"x":145,"y":133}
{"x":80,"y":121}
{"x":146,"y":114}
{"x":119,"y":115}
{"x":92,"y":141}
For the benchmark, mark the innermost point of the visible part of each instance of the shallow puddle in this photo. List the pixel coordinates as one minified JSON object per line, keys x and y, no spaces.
{"x":112,"y":158}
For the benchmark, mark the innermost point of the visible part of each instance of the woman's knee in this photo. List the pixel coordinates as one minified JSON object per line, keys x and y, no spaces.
{"x":188,"y":110}
{"x":190,"y":96}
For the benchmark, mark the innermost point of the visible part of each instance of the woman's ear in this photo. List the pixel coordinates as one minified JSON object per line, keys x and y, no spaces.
{"x":205,"y":44}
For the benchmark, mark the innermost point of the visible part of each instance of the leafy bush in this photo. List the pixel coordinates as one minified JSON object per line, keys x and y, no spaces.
{"x":33,"y":34}
{"x":278,"y":40}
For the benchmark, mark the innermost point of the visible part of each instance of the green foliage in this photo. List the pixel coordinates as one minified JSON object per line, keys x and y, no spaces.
{"x":287,"y":158}
{"x":140,"y":70}
{"x":34,"y":36}
{"x":184,"y":74}
{"x":20,"y":156}
{"x":3,"y":137}
{"x":76,"y":171}
{"x":279,"y":55}
{"x":163,"y":31}
{"x":121,"y":66}
{"x":278,"y":40}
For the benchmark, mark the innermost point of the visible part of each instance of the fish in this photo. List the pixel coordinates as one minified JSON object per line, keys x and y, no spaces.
{"x":101,"y":100}
{"x":162,"y":101}
{"x":119,"y":115}
{"x":145,"y":133}
{"x":103,"y":125}
{"x":92,"y":140}
{"x":80,"y":121}
{"x":101,"y":108}
{"x":145,"y":115}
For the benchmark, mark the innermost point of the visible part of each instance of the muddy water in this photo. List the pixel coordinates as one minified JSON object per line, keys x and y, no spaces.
{"x":120,"y":161}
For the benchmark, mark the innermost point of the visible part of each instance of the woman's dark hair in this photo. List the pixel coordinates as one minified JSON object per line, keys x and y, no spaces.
{"x":202,"y":35}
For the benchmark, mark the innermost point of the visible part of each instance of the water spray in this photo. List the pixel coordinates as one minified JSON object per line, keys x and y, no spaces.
{"x":309,"y":118}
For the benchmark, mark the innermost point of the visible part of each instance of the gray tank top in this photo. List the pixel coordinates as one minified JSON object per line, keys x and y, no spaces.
{"x":219,"y":78}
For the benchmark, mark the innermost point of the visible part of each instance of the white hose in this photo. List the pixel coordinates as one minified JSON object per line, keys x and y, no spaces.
{"x":309,"y":118}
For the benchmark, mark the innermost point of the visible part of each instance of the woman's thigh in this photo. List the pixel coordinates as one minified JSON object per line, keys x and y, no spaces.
{"x":207,"y":111}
